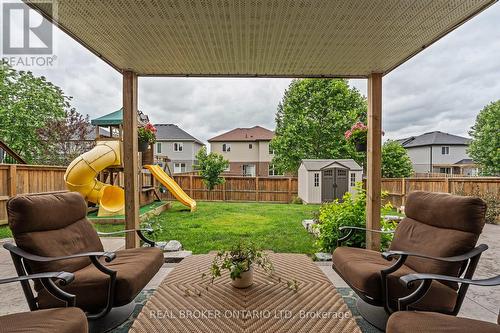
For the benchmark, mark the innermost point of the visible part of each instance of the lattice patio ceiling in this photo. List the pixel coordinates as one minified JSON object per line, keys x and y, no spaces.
{"x":282,"y":38}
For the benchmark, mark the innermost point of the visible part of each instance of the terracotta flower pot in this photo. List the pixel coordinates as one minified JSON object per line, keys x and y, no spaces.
{"x":244,"y":281}
{"x":143,"y":146}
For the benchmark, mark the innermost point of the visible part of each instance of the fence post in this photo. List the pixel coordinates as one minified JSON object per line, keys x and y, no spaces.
{"x":289,"y":189}
{"x":447,"y":184}
{"x":12,"y":180}
{"x":191,"y":185}
{"x":403,"y":191}
{"x":224,"y":191}
{"x":256,"y":188}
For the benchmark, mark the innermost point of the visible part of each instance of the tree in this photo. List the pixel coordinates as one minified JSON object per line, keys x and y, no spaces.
{"x":27,"y":105}
{"x":65,"y":139}
{"x":485,"y":145}
{"x":210,"y":166}
{"x":311,"y":121}
{"x":395,"y":161}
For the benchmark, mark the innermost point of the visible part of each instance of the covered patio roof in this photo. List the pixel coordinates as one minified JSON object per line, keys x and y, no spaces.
{"x":276,"y":38}
{"x":257,"y":38}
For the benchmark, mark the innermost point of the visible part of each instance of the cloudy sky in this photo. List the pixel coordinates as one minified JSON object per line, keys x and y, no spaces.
{"x":443,"y":88}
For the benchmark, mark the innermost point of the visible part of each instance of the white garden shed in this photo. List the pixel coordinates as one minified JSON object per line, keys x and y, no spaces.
{"x":326,"y":180}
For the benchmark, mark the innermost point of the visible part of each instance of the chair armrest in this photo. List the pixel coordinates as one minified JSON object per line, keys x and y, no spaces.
{"x":138,"y":231}
{"x":352,"y":229}
{"x":389,"y":255}
{"x":64,"y":277}
{"x":409,"y":279}
{"x":108,"y":256}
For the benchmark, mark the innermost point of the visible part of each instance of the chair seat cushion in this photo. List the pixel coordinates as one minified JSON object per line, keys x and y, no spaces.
{"x":423,"y":322}
{"x":134,"y":267}
{"x":360,"y":268}
{"x":62,"y":320}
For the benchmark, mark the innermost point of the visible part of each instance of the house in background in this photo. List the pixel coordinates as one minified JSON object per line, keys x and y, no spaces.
{"x":326,"y":180}
{"x":247,"y":150}
{"x":176,"y":148}
{"x":438,"y":152}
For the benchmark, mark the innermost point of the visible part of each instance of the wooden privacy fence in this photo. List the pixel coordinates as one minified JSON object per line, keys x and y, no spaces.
{"x":22,"y":178}
{"x":235,"y":188}
{"x":398,"y":188}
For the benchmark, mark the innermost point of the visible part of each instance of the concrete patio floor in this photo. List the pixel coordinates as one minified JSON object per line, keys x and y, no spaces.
{"x":481,"y":303}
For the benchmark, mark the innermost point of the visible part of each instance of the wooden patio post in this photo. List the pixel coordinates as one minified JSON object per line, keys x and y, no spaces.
{"x":374,"y":171}
{"x":130,"y":157}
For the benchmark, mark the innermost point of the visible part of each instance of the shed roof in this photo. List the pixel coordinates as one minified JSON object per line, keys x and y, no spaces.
{"x":256,"y":133}
{"x":434,"y":138}
{"x":171,"y":132}
{"x":317,"y":165}
{"x":281,"y":38}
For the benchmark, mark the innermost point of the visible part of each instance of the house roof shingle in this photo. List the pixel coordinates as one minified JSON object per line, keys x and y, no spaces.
{"x":256,"y":133}
{"x":170,"y":132}
{"x":316,"y":165}
{"x":433,"y":138}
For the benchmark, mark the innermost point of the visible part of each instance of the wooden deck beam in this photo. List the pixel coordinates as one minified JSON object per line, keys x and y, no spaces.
{"x":130,"y":157}
{"x":374,"y":160}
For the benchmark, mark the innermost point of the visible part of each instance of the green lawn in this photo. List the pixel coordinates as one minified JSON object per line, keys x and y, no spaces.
{"x":5,"y":232}
{"x":215,"y":226}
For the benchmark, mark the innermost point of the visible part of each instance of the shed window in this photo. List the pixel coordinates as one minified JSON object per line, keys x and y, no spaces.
{"x":316,"y":179}
{"x":353,"y":179}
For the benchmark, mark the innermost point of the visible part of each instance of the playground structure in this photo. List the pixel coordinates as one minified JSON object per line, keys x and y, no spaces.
{"x":95,"y":173}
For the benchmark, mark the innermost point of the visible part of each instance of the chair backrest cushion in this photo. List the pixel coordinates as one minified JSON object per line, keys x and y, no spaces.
{"x":53,"y":224}
{"x":440,"y":225}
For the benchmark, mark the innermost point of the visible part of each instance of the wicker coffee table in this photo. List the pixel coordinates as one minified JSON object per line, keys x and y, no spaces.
{"x":183,"y":304}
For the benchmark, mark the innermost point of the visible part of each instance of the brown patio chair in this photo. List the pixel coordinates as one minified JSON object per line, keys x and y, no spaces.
{"x":438,"y":235}
{"x":52,"y":233}
{"x":60,"y":320}
{"x":422,"y":322}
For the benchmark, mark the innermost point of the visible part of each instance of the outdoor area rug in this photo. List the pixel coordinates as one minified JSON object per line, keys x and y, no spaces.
{"x":187,"y":302}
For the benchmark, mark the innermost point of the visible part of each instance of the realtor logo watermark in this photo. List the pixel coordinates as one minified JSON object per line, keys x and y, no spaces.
{"x":27,"y":37}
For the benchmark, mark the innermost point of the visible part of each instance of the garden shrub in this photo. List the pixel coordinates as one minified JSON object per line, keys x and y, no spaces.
{"x":350,"y":212}
{"x":296,"y":200}
{"x":492,"y":202}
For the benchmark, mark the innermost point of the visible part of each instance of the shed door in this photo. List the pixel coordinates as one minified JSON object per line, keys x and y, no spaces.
{"x":327,"y":185}
{"x":340,"y":183}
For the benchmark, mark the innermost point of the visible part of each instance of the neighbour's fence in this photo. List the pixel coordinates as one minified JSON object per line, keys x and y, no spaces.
{"x":398,"y":188}
{"x":237,"y":188}
{"x":21,"y":178}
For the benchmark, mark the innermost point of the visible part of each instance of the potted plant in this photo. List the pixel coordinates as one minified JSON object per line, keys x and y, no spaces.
{"x":357,"y":134}
{"x":240,"y":261}
{"x":146,"y":135}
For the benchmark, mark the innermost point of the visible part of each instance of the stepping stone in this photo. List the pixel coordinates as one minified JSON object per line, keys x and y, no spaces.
{"x":323,"y":256}
{"x":176,"y":256}
{"x":172,"y":246}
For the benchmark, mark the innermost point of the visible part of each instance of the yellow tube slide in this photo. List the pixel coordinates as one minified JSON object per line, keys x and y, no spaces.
{"x":81,"y":176}
{"x":172,"y":186}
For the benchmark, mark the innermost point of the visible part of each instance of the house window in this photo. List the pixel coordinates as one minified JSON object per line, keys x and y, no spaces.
{"x":316,"y":179}
{"x":226,"y":147}
{"x":445,"y":150}
{"x":248,"y":170}
{"x":179,"y":167}
{"x":158,"y":147}
{"x":178,"y":146}
{"x":273,"y":171}
{"x":271,"y":150}
{"x":250,"y":146}
{"x":445,"y":170}
{"x":353,"y":179}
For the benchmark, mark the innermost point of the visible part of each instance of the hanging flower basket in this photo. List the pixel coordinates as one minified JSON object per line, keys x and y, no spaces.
{"x":146,"y":135}
{"x":357,"y":135}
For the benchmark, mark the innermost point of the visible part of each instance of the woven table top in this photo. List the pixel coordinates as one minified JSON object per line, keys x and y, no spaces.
{"x":183,"y":303}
